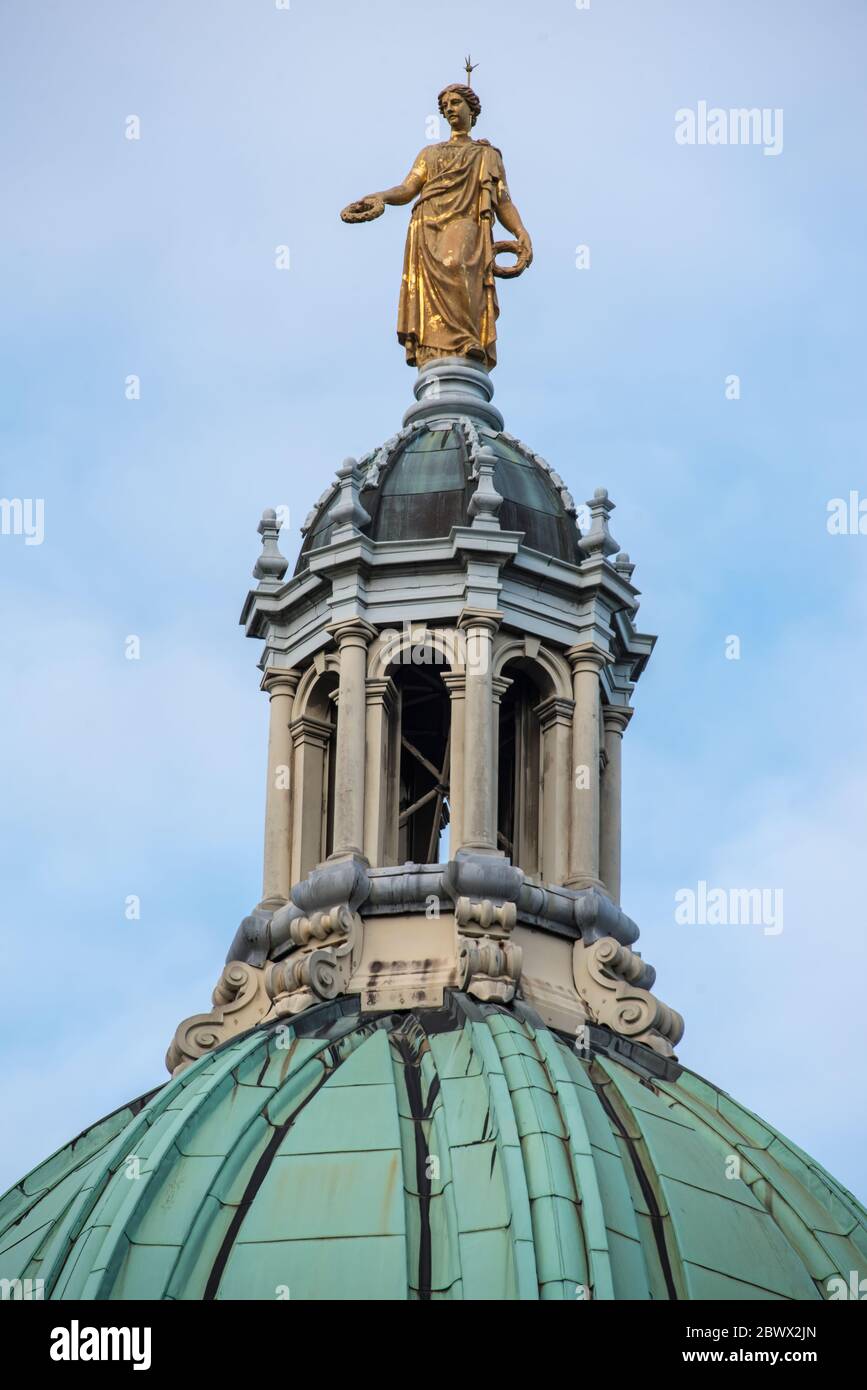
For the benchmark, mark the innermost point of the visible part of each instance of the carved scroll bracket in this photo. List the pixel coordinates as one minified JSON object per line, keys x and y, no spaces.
{"x":328,"y":947}
{"x":240,"y":1002}
{"x":605,"y":975}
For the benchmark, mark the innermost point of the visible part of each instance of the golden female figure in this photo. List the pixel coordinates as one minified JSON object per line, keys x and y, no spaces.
{"x":448,"y":299}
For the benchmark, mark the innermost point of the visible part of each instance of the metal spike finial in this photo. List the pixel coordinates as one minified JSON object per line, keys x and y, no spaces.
{"x":470,"y":68}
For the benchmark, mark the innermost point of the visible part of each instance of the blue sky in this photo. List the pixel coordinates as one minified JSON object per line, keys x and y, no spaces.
{"x":156,"y":257}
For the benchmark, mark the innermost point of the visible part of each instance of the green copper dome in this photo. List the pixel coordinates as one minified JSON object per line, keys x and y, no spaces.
{"x":454,"y":1153}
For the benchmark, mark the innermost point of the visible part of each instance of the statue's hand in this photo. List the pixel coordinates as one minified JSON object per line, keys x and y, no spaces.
{"x":365,"y":210}
{"x":521,"y":249}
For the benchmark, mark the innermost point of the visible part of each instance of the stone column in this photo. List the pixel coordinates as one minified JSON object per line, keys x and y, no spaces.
{"x":353,"y":638}
{"x":480,"y":731}
{"x":586,"y":661}
{"x":499,"y":686}
{"x":380,"y":772}
{"x":455,"y":682}
{"x":615,"y":719}
{"x":555,"y":718}
{"x":310,"y":739}
{"x":277,"y":872}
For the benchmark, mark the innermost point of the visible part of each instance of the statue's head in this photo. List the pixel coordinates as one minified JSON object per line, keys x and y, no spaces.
{"x":460,"y":105}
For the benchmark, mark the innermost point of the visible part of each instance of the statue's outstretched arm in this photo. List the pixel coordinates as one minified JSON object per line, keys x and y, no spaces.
{"x":373,"y":204}
{"x":402,"y":192}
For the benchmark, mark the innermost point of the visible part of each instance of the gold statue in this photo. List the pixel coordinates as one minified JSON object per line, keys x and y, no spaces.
{"x":448,"y":300}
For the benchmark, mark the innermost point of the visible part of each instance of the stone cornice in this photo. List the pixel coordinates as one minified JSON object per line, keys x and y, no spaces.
{"x":262,"y":605}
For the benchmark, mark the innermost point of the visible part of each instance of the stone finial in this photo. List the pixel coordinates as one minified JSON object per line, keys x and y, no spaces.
{"x":599,"y":540}
{"x":271,"y":565}
{"x":485,"y":503}
{"x":626,"y":569}
{"x":624,"y":566}
{"x":348,"y":511}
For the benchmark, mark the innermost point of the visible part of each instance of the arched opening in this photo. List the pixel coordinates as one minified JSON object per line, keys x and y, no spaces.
{"x":422,"y":756}
{"x":519,"y":756}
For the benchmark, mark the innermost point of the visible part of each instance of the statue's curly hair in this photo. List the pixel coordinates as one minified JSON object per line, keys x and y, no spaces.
{"x":468,"y":95}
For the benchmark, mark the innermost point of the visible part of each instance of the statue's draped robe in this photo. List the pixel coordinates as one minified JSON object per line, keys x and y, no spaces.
{"x":448,"y":301}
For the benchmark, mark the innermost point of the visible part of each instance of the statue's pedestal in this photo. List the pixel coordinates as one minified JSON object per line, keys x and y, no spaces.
{"x":453,"y":386}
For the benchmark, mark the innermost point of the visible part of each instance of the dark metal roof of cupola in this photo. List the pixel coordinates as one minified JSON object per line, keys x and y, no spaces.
{"x":418,"y":485}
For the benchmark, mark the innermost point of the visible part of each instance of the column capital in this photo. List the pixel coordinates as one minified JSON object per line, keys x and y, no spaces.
{"x":277,"y":680}
{"x":381,"y":691}
{"x":554,"y":710}
{"x":455,"y":682}
{"x":586,"y":656}
{"x":616,"y":717}
{"x":308,"y":730}
{"x":500,"y":685}
{"x":352,"y":632}
{"x":488,"y":618}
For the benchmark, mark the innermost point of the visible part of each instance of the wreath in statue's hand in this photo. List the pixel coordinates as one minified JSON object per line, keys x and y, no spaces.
{"x":365,"y":210}
{"x":512,"y":248}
